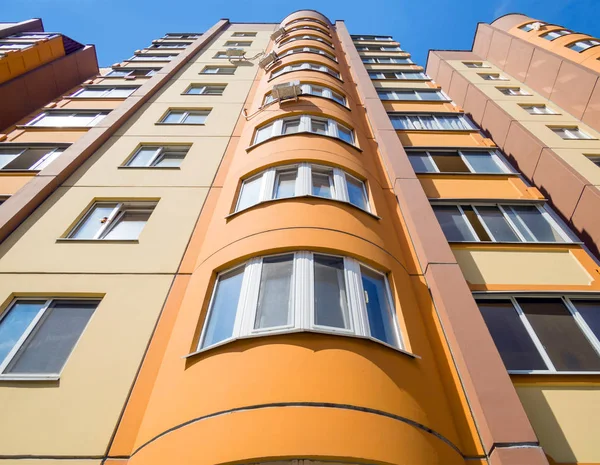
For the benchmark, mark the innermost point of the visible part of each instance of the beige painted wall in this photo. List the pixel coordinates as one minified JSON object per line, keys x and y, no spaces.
{"x":565,"y":419}
{"x":545,"y":267}
{"x":571,"y":151}
{"x":77,"y":415}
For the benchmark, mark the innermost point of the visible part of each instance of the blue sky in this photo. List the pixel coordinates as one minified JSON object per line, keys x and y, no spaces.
{"x":118,"y":27}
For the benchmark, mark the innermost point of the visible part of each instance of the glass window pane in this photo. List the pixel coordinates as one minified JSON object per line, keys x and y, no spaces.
{"x":170,"y":160}
{"x":318,"y":127}
{"x":274,"y":299}
{"x":421,"y":163}
{"x":128,"y":226}
{"x":224,"y":307}
{"x":331,"y":301}
{"x":291,"y":126}
{"x":531,"y":216}
{"x":476,"y":224}
{"x":121,"y":92}
{"x":250,"y":193}
{"x":173,"y":117}
{"x":195,"y":118}
{"x":7,"y":156}
{"x":263,"y":133}
{"x":92,"y":92}
{"x":379,"y":309}
{"x":322,"y":184}
{"x":562,"y":338}
{"x":285,"y":184}
{"x":588,"y":309}
{"x":516,"y":348}
{"x":51,"y":342}
{"x":143,"y":156}
{"x":15,"y":322}
{"x":345,"y":134}
{"x":431,"y":96}
{"x":497,"y":224}
{"x":94,"y":221}
{"x":196,"y":90}
{"x":482,"y":162}
{"x":453,"y":224}
{"x":357,"y":192}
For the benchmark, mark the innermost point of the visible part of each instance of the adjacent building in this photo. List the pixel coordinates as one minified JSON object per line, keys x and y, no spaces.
{"x":286,"y":244}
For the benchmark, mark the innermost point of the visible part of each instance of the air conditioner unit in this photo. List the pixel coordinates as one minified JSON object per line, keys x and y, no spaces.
{"x":268,"y":60}
{"x":287,"y":91}
{"x":278,"y":33}
{"x":235,"y":52}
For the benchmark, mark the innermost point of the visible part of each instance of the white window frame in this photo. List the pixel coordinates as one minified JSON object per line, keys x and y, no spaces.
{"x":177,"y":45}
{"x":308,"y":89}
{"x":367,"y":38}
{"x":553,"y":35}
{"x":392,"y":60}
{"x":315,"y":50}
{"x":276,"y":127}
{"x":120,"y":209}
{"x":502,"y":208}
{"x":532,"y":109}
{"x":572,"y":133}
{"x":108,"y":90}
{"x":190,"y":36}
{"x":412,"y":118}
{"x":99,"y":115}
{"x":268,"y":182}
{"x":30,"y":328}
{"x":53,"y":154}
{"x":238,"y":43}
{"x":589,"y":43}
{"x":398,"y":93}
{"x":305,"y":66}
{"x":378,"y":48}
{"x":306,"y":37}
{"x":493,"y":77}
{"x":184,"y":116}
{"x":302,"y":302}
{"x":205,"y":88}
{"x":476,"y":64}
{"x":244,"y":34}
{"x":217,"y":70}
{"x":309,"y":28}
{"x":153,"y":57}
{"x":494,"y":155}
{"x":161,"y":151}
{"x":399,"y":75}
{"x":513,"y":91}
{"x":130,"y":72}
{"x":579,"y":321}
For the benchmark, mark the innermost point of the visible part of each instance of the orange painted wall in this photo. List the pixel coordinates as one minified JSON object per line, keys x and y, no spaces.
{"x":246,"y":377}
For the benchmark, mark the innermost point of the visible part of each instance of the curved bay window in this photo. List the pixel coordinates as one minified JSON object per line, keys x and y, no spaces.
{"x":301,"y":291}
{"x":304,"y":123}
{"x":317,"y":91}
{"x":305,"y":66}
{"x":303,"y":179}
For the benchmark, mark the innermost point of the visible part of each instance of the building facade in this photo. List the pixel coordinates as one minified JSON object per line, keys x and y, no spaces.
{"x":286,"y":244}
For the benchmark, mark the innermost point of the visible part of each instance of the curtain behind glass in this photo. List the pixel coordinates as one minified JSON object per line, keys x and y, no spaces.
{"x":274,"y":298}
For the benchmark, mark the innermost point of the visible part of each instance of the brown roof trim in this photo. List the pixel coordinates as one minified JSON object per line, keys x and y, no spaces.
{"x":19,"y":206}
{"x":496,"y":409}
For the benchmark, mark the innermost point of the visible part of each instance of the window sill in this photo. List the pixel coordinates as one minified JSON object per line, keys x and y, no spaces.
{"x":443,"y":131}
{"x":149,"y":168}
{"x":179,"y":124}
{"x":18,"y":172}
{"x":297,"y":331}
{"x":120,"y":99}
{"x":552,"y":373}
{"x":412,"y":101}
{"x":402,"y":80}
{"x":252,"y":147}
{"x":34,"y":378}
{"x":53,"y":128}
{"x":460,"y":173}
{"x":517,"y":244}
{"x":316,"y":197}
{"x":95,"y":241}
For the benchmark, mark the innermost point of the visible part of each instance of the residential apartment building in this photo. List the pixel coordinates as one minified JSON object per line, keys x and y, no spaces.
{"x":285,"y":244}
{"x":37,"y":67}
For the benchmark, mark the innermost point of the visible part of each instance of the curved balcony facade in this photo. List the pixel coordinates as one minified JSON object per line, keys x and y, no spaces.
{"x":303,"y":394}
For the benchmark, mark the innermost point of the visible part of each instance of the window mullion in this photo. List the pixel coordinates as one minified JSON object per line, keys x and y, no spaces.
{"x":553,"y":223}
{"x":356,"y":297}
{"x":276,"y":129}
{"x":108,"y":221}
{"x":340,"y":188}
{"x":248,"y":304}
{"x":487,"y":230}
{"x":24,"y":336}
{"x":304,"y":179}
{"x":154,"y":158}
{"x":467,"y":222}
{"x":534,"y":338}
{"x":509,"y":220}
{"x":589,"y":334}
{"x":434,"y":164}
{"x":267,"y":185}
{"x":466,"y":162}
{"x":303,"y":290}
{"x":332,"y":128}
{"x":304,"y":124}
